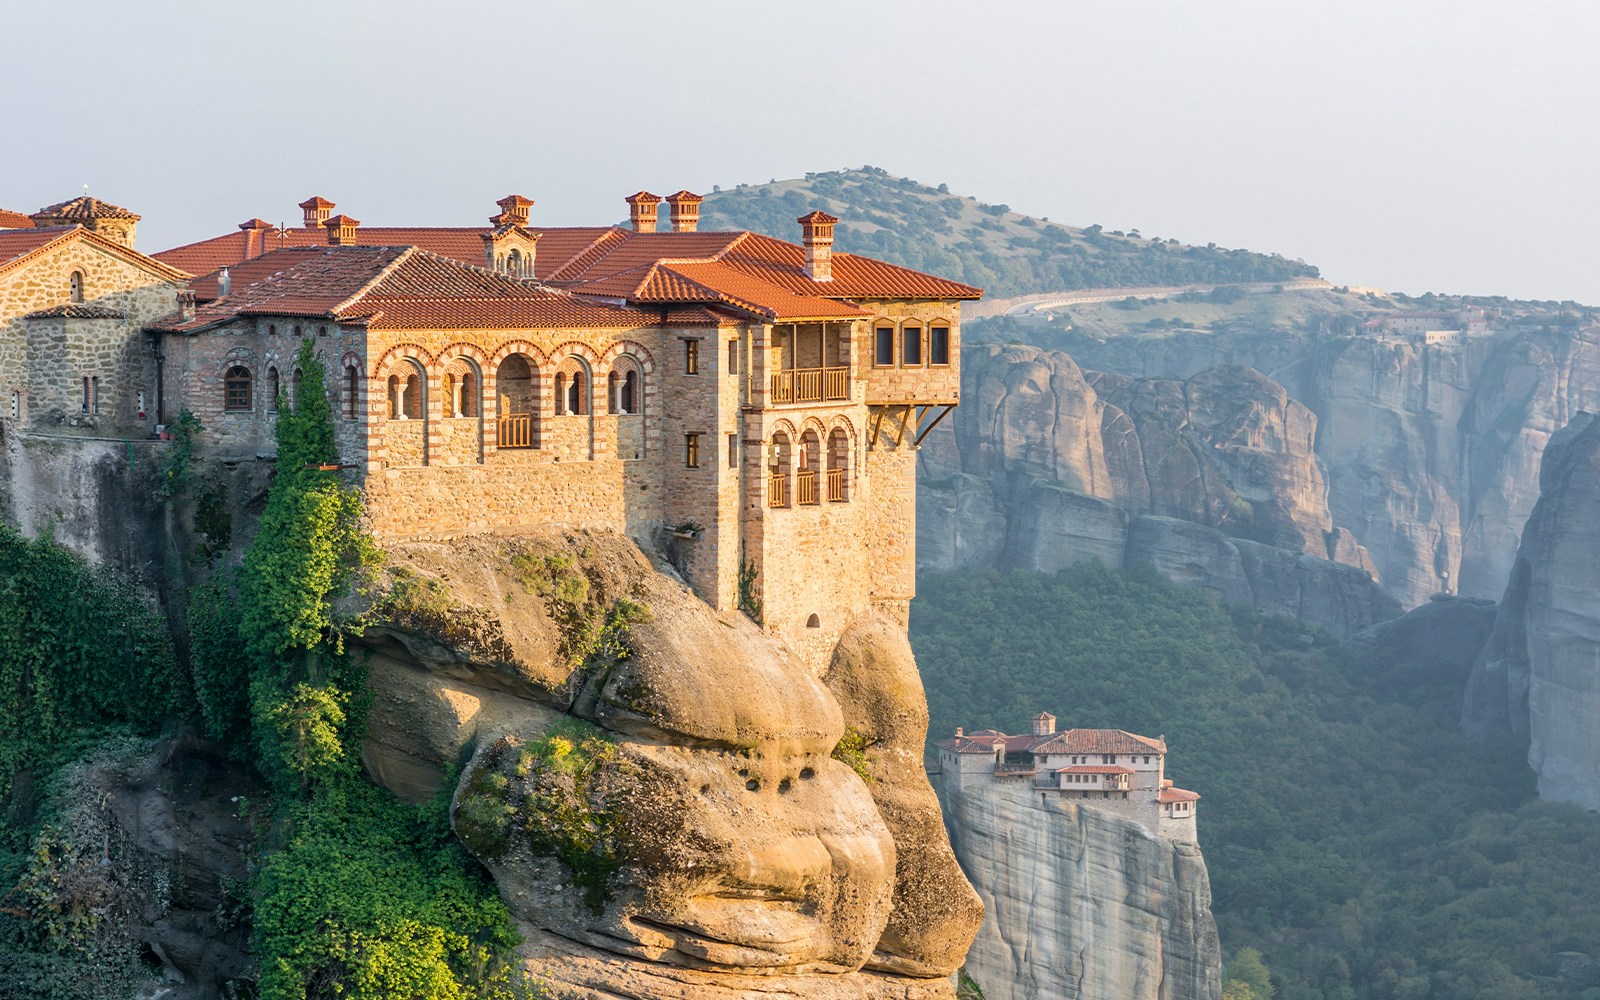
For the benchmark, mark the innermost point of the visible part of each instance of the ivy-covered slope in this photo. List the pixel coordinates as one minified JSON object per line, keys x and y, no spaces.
{"x":1352,"y":834}
{"x":1004,"y":252}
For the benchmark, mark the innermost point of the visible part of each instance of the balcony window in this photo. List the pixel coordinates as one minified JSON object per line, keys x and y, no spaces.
{"x":939,"y":346}
{"x":911,"y":346}
{"x":883,"y":346}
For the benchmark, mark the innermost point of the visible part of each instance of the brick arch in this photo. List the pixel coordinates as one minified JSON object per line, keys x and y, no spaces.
{"x":576,"y":349}
{"x":814,"y":424}
{"x":237,"y":356}
{"x":840,"y":420}
{"x":412,"y":352}
{"x":640,"y":353}
{"x":464,"y":349}
{"x":782,"y":424}
{"x":510,"y":347}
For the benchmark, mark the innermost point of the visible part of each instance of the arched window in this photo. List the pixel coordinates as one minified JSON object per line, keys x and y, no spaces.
{"x":517,"y":383}
{"x":625,"y":395}
{"x":813,"y":621}
{"x":572,"y":387}
{"x":613,"y":397}
{"x":911,"y":346}
{"x":350,"y":390}
{"x":467,"y":402}
{"x":75,"y":286}
{"x":295,"y":379}
{"x":778,"y":471}
{"x":630,"y":392}
{"x":405,"y":395}
{"x":514,"y":263}
{"x":272,"y":389}
{"x":938,"y":345}
{"x":883,"y":345}
{"x":838,"y":465}
{"x":806,"y":478}
{"x":236,"y":386}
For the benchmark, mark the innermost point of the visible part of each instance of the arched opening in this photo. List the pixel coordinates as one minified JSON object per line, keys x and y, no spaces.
{"x":838,"y":465}
{"x":272,"y":389}
{"x":405,"y":438}
{"x":625,"y":386}
{"x":516,"y":383}
{"x":350,"y":389}
{"x":630,"y":392}
{"x":514,"y":263}
{"x":405,"y":394}
{"x":236,"y":385}
{"x":813,"y":621}
{"x":397,"y":410}
{"x":572,"y":387}
{"x":613,"y":398}
{"x":810,"y":460}
{"x":778,"y":470}
{"x":467,"y":394}
{"x":295,"y":380}
{"x":75,"y":286}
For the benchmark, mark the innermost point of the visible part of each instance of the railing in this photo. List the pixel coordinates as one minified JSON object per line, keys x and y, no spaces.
{"x":835,"y":485}
{"x":807,"y":493}
{"x":778,"y":491}
{"x":810,"y":385}
{"x":515,"y":430}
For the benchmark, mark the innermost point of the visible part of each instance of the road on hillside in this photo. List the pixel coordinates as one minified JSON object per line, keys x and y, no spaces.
{"x":1057,"y":300}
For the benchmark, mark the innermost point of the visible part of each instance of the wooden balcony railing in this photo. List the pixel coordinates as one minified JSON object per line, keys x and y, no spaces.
{"x":515,"y":430}
{"x":778,"y":490}
{"x":807,"y":491}
{"x":835,"y":485}
{"x":810,"y":385}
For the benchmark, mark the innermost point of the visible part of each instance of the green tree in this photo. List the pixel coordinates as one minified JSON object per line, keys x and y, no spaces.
{"x":1248,"y":970}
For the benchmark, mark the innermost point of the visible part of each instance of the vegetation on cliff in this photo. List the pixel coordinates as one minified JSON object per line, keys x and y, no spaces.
{"x":1354,"y":838}
{"x":1004,"y":252}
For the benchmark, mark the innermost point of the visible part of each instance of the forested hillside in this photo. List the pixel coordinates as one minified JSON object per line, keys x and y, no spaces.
{"x":1004,"y":252}
{"x":1352,"y":835}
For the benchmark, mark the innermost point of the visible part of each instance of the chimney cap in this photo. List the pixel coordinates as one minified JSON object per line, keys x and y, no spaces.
{"x":515,"y":201}
{"x":643,"y":198}
{"x":315,"y":201}
{"x":255,"y":224}
{"x":817,"y":218}
{"x":685,"y":198}
{"x":341,"y":220}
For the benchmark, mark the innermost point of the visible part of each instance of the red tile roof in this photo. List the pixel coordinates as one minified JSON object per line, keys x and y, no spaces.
{"x":391,"y":287}
{"x":1106,"y":741}
{"x":84,"y":207}
{"x":76,"y":310}
{"x":14,"y":220}
{"x":1094,"y":769}
{"x":1177,"y":795}
{"x":16,"y":243}
{"x":18,"y":246}
{"x":757,"y":274}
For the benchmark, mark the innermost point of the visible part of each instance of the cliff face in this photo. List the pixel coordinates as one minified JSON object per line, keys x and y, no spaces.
{"x":701,"y":840}
{"x":1431,"y":452}
{"x":1541,"y":667}
{"x":1213,"y":480}
{"x":1082,"y":904}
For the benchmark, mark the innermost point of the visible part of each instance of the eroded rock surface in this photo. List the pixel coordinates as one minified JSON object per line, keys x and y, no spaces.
{"x":652,"y":784}
{"x":1541,"y":667}
{"x":1082,"y":903}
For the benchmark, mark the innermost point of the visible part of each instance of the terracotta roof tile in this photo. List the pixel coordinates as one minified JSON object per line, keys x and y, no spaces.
{"x":76,"y":310}
{"x":14,"y":220}
{"x":391,"y":287}
{"x":1107,"y":741}
{"x":1094,"y":769}
{"x":84,"y":207}
{"x":1177,"y":795}
{"x":16,"y":243}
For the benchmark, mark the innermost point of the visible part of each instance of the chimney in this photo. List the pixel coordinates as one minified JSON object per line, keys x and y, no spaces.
{"x":513,"y":210}
{"x":958,"y":731}
{"x":224,"y":283}
{"x":642,"y":209}
{"x":341,"y":230}
{"x":685,"y":211}
{"x":1044,"y":724}
{"x":816,"y":232}
{"x":317,"y":210}
{"x":185,"y":305}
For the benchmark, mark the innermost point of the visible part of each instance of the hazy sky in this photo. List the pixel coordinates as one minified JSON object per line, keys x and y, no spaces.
{"x":1445,"y":146}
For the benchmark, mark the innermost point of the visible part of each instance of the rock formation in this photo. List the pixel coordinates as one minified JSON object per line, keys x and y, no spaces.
{"x":1213,"y":480}
{"x":1430,"y":451}
{"x":1539,"y":669}
{"x":692,"y":836}
{"x":1082,"y":903}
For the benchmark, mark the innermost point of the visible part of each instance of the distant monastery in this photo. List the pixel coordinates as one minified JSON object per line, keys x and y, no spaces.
{"x":750,"y":406}
{"x":1105,"y":769}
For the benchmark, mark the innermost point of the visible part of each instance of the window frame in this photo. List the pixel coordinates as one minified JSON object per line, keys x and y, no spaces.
{"x":933,"y":330}
{"x":884,"y":333}
{"x":691,"y":450}
{"x":907,"y":330}
{"x":691,"y":357}
{"x":230,"y":392}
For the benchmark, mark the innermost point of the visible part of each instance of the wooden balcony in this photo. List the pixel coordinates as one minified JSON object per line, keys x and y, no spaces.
{"x":807,"y":492}
{"x":811,"y":385}
{"x":778,"y":491}
{"x":515,"y":430}
{"x":836,"y":486}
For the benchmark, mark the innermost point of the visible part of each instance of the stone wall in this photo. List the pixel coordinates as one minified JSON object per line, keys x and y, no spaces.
{"x":901,"y":382}
{"x":43,"y":366}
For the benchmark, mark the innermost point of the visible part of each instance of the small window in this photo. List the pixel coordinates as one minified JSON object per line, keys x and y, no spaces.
{"x":733,"y":357}
{"x":939,"y":345}
{"x":236,"y":389}
{"x":813,"y":621}
{"x":733,"y":451}
{"x":295,"y":378}
{"x":630,"y":392}
{"x":75,"y":286}
{"x":272,"y":389}
{"x":911,"y":346}
{"x":272,"y":329}
{"x":16,"y":404}
{"x":691,"y":451}
{"x":350,"y":392}
{"x":691,"y":357}
{"x":883,"y":351}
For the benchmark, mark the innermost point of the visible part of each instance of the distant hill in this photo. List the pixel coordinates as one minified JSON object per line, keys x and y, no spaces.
{"x":1003,"y":252}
